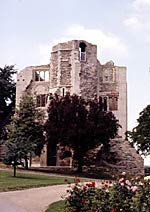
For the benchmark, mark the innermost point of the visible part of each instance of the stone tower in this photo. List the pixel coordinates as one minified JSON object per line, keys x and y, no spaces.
{"x":74,"y":67}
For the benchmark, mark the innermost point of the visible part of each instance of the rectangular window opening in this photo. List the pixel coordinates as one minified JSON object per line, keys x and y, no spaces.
{"x":41,"y":100}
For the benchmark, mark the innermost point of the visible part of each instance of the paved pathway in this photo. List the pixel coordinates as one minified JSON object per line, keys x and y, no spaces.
{"x":31,"y":200}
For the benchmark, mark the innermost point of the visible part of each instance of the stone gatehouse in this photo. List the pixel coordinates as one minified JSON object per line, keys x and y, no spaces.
{"x":74,"y":68}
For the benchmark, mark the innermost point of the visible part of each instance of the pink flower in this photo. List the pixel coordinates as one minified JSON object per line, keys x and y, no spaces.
{"x":134,"y":188}
{"x":121,"y":180}
{"x":123,"y":173}
{"x":122,"y":184}
{"x":128,"y":182}
{"x":75,"y":187}
{"x":128,"y":187}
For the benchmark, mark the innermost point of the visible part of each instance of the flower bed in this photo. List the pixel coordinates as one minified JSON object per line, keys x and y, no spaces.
{"x":123,"y":195}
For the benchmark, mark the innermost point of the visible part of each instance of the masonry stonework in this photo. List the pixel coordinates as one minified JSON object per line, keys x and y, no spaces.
{"x":74,"y":68}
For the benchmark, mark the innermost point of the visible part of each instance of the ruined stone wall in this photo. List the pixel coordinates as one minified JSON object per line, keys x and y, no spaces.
{"x":60,"y":69}
{"x":122,"y":157}
{"x":121,"y":113}
{"x":89,"y":72}
{"x":65,"y":66}
{"x":24,"y":78}
{"x":27,"y":84}
{"x":54,"y":70}
{"x":113,"y":85}
{"x":127,"y":159}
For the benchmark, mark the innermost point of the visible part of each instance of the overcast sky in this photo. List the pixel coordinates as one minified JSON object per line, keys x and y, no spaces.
{"x":120,"y":28}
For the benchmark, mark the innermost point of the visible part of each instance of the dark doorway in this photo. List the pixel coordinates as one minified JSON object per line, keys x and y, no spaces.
{"x":51,"y":155}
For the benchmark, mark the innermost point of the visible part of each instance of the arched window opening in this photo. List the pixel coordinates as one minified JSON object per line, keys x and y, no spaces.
{"x":82,"y":49}
{"x":66,"y":154}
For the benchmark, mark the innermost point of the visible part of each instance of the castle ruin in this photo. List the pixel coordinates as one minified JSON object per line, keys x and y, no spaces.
{"x":74,"y":68}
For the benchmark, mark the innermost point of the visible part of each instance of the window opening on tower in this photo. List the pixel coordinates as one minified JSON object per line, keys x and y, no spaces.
{"x":82,"y":49}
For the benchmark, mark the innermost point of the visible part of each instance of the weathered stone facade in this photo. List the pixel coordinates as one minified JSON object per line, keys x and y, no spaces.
{"x":74,"y":67}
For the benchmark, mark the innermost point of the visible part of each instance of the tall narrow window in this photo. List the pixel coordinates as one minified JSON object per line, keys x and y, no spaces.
{"x":46,"y":76}
{"x":100,"y":103}
{"x":38,"y":104}
{"x":113,"y":103}
{"x":42,"y":76}
{"x":63,"y":92}
{"x":105,"y":103}
{"x":37,"y":76}
{"x":82,"y":49}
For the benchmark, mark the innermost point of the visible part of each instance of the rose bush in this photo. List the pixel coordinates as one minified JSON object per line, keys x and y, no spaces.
{"x":123,"y":195}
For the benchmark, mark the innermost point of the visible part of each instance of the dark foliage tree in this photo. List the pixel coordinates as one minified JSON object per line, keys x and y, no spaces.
{"x":80,"y":125}
{"x":7,"y":96}
{"x":25,"y":133}
{"x":140,"y":135}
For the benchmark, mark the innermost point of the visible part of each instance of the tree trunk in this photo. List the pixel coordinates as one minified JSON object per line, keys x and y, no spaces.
{"x":80,"y":163}
{"x":14,"y":170}
{"x":30,"y":161}
{"x":26,"y":162}
{"x":79,"y":170}
{"x":79,"y":158}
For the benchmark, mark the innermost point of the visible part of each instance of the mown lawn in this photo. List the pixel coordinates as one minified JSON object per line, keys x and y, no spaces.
{"x":57,"y":207}
{"x":24,"y":181}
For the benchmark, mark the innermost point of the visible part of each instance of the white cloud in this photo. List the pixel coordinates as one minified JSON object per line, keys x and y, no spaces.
{"x":141,"y":4}
{"x":106,"y":42}
{"x":137,"y":24}
{"x":132,"y":22}
{"x":139,"y":19}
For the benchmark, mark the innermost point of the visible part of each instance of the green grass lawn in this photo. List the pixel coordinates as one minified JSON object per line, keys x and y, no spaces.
{"x":57,"y":207}
{"x":24,"y":181}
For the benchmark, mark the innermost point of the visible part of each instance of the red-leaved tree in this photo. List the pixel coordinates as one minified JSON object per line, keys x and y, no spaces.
{"x":79,"y":124}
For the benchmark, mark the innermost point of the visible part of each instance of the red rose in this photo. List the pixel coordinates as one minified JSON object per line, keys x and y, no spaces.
{"x":93,"y":184}
{"x":65,"y":179}
{"x":84,"y":188}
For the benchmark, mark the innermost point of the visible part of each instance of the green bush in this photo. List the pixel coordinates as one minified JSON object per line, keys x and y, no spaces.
{"x":123,"y":195}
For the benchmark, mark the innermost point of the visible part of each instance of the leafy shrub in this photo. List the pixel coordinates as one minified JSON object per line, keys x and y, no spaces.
{"x":123,"y":195}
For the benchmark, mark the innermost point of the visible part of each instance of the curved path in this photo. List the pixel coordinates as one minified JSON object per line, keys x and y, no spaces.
{"x":31,"y":200}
